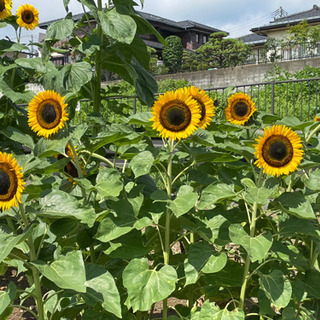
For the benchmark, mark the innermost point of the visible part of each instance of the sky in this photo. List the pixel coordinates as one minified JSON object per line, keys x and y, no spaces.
{"x":234,"y":16}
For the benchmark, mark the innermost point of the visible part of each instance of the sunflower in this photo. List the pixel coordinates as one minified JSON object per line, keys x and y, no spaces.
{"x":28,"y":16}
{"x":316,"y":119}
{"x":175,"y":115}
{"x":5,"y":9}
{"x":240,"y":108}
{"x":279,"y":150}
{"x":70,"y":169}
{"x":205,"y":104}
{"x":47,"y":113}
{"x":11,"y":181}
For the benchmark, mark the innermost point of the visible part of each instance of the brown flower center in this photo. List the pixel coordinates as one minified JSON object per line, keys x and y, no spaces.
{"x":175,"y":116}
{"x":49,"y":114}
{"x":4,"y":182}
{"x":8,"y":182}
{"x":2,"y":5}
{"x":27,"y":16}
{"x":241,"y":109}
{"x":277,"y":151}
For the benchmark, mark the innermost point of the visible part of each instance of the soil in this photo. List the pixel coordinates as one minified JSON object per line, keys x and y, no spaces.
{"x":20,"y":281}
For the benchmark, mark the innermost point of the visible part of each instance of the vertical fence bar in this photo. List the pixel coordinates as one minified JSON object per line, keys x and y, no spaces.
{"x":272,"y":97}
{"x":287,"y":96}
{"x":301,"y":103}
{"x":134,"y":105}
{"x":309,"y":98}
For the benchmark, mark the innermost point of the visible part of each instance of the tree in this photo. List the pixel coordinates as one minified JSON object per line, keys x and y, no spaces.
{"x":222,"y":52}
{"x":172,"y":53}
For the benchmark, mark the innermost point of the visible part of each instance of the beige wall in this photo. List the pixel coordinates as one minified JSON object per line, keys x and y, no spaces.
{"x":248,"y":74}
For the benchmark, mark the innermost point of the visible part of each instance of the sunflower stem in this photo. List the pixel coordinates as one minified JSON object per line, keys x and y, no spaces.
{"x":35,"y":272}
{"x":315,"y":130}
{"x":97,"y":87}
{"x":246,"y":274}
{"x":99,"y":157}
{"x":166,"y":252}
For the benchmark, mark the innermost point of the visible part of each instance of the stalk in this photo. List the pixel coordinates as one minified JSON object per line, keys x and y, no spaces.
{"x":246,"y":274}
{"x":317,"y":128}
{"x":97,"y":88}
{"x":166,"y":251}
{"x":35,"y":272}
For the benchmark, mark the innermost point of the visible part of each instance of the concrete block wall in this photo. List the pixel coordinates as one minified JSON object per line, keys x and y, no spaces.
{"x":248,"y":74}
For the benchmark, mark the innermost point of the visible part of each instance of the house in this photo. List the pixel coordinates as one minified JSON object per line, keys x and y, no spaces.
{"x":192,"y":34}
{"x":276,"y":31}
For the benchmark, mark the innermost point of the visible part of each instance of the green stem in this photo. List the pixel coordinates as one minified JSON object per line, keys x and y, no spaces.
{"x":246,"y":274}
{"x":99,"y":157}
{"x":166,"y":252}
{"x":35,"y":272}
{"x":317,"y":128}
{"x":97,"y":88}
{"x":92,"y":254}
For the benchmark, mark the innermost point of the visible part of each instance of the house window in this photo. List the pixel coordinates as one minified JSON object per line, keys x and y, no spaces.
{"x":197,"y":38}
{"x":204,"y":39}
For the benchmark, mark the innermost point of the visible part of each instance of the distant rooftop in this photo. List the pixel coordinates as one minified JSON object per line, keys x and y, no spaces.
{"x":178,"y":25}
{"x":311,"y":16}
{"x":253,"y":38}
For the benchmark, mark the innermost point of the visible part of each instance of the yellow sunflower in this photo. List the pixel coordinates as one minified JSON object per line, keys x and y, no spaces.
{"x":240,"y":108}
{"x":279,"y":150}
{"x":47,"y":113}
{"x":205,"y":104}
{"x":11,"y":181}
{"x":175,"y":115}
{"x":316,"y":119}
{"x":5,"y":9}
{"x":70,"y":169}
{"x":28,"y":16}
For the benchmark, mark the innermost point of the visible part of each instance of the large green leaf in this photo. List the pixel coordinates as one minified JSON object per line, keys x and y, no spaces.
{"x":296,"y":204}
{"x":141,"y":163}
{"x":209,"y":311}
{"x":122,"y":222}
{"x":101,"y":286}
{"x":59,"y":204}
{"x":214,"y":193}
{"x":10,"y":46}
{"x":146,"y":286}
{"x":257,"y":247}
{"x":202,"y":257}
{"x":276,"y":287}
{"x":118,"y":26}
{"x":14,"y":96}
{"x":67,"y":271}
{"x":109,"y":183}
{"x":184,"y":202}
{"x":60,"y":30}
{"x":8,"y":241}
{"x":35,"y":64}
{"x":16,"y":135}
{"x":313,"y":183}
{"x":73,"y":76}
{"x":4,"y":300}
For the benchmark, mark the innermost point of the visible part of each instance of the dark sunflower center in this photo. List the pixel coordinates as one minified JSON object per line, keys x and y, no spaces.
{"x":28,"y":16}
{"x":4,"y":182}
{"x":2,"y":5}
{"x":175,"y":116}
{"x":240,"y":109}
{"x":202,"y":109}
{"x":278,"y":150}
{"x":49,"y":114}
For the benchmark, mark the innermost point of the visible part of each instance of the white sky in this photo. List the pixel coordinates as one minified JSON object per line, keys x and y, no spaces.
{"x":236,"y":17}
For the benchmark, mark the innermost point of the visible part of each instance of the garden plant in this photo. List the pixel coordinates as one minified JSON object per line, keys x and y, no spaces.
{"x":219,"y":222}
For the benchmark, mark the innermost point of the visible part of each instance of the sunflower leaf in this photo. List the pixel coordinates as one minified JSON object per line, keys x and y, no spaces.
{"x":141,"y":282}
{"x":60,"y":205}
{"x":142,"y":163}
{"x":60,"y":29}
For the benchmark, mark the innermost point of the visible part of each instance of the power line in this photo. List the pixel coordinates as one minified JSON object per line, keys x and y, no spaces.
{"x":247,"y":24}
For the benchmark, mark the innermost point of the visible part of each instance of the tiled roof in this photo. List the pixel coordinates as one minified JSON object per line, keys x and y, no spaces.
{"x":312,"y":15}
{"x":304,"y":15}
{"x":253,"y":38}
{"x":180,"y":25}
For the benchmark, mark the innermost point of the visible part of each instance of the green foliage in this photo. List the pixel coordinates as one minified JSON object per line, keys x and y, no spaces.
{"x":222,"y":52}
{"x":134,"y":223}
{"x":172,"y":53}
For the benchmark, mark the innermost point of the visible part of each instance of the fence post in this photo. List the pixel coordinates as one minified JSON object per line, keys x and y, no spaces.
{"x":272,"y":97}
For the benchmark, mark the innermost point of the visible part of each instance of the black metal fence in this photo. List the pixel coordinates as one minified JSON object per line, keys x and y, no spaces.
{"x":300,"y":98}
